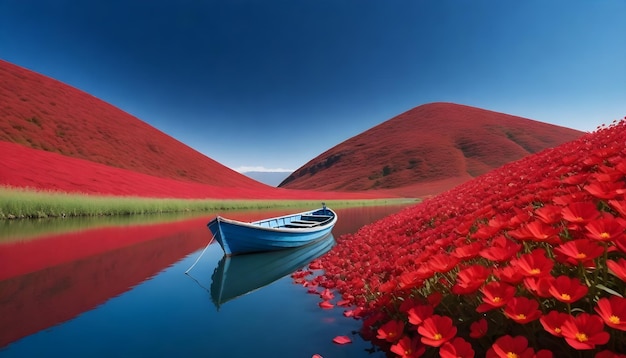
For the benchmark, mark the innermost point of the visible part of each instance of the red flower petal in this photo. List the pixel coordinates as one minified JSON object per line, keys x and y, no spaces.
{"x":326,"y":305}
{"x":342,"y":340}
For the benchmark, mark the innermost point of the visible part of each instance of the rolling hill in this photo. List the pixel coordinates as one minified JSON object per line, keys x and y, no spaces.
{"x":56,"y":137}
{"x":426,"y":150}
{"x":41,"y":113}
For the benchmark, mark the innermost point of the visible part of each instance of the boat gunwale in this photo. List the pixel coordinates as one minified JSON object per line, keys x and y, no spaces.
{"x":255,"y":224}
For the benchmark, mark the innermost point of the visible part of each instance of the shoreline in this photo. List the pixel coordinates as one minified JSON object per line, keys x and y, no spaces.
{"x":19,"y":204}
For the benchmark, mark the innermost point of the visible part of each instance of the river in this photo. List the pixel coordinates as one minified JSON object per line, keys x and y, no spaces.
{"x":116,"y":287}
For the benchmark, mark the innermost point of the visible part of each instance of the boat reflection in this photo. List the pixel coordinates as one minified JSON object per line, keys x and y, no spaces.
{"x":236,"y":276}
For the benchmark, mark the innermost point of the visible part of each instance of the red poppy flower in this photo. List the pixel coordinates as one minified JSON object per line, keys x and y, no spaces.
{"x":553,"y":321}
{"x":619,"y":206}
{"x":521,"y":216}
{"x":543,"y":353}
{"x":605,"y":190}
{"x":609,"y":354}
{"x":580,"y":212}
{"x":522,"y":310}
{"x":620,"y":243}
{"x":409,"y":303}
{"x":436,"y":330}
{"x":434,"y":298}
{"x":495,"y":295}
{"x":470,"y":279}
{"x":408,"y":347}
{"x":391,"y":331}
{"x":568,"y":290}
{"x":478,"y":329}
{"x":485,"y":232}
{"x":613,"y":311}
{"x":549,"y":214}
{"x":534,"y":264}
{"x":442,"y":263}
{"x":507,"y":347}
{"x":574,"y":196}
{"x":419,"y":313}
{"x":539,"y":286}
{"x":508,"y":274}
{"x":605,"y":229}
{"x":584,"y":331}
{"x":499,"y":221}
{"x":537,"y":231}
{"x":468,"y":251}
{"x":456,"y":348}
{"x":388,"y":286}
{"x":575,"y":179}
{"x":578,"y":251}
{"x":410,"y":279}
{"x":618,"y":268}
{"x":501,"y":249}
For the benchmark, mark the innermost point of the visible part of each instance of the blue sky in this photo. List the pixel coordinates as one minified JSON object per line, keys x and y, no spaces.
{"x":273,"y":84}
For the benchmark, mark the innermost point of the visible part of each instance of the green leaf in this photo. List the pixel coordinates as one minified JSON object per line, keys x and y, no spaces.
{"x":606,"y":289}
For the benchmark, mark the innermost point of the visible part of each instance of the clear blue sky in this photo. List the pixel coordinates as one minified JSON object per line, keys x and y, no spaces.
{"x":276,"y":83}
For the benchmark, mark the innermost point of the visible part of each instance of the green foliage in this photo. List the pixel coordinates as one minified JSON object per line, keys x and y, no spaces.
{"x":23,"y":203}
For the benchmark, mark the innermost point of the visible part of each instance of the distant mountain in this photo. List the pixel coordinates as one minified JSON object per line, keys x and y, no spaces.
{"x":269,"y":178}
{"x":42,"y":113}
{"x":434,"y":146}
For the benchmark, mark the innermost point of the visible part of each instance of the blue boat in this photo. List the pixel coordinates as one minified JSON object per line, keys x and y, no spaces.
{"x":236,"y":276}
{"x":289,"y":231}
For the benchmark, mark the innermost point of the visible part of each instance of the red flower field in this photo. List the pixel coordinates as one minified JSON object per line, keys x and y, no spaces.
{"x":428,"y":149}
{"x":56,"y":137}
{"x":38,"y":169}
{"x":528,"y":260}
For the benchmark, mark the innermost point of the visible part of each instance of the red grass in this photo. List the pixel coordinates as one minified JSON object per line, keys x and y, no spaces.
{"x":427,"y":145}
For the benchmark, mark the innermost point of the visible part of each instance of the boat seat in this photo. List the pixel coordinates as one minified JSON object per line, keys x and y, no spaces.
{"x":305,"y":222}
{"x":295,"y":224}
{"x":317,"y":218}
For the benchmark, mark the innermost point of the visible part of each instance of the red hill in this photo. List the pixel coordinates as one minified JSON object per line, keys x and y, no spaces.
{"x":56,"y":137}
{"x":42,"y":113}
{"x":427,"y":149}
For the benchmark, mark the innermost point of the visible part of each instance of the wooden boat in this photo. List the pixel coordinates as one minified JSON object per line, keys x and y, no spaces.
{"x":289,"y":231}
{"x":239,"y":275}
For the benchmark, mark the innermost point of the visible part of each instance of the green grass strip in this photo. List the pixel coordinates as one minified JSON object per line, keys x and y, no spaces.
{"x":16,"y":203}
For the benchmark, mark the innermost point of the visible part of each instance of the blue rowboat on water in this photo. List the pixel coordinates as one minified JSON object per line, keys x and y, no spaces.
{"x":283,"y":232}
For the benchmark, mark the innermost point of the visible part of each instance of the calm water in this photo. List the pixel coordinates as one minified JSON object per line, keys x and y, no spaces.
{"x":117,"y":288}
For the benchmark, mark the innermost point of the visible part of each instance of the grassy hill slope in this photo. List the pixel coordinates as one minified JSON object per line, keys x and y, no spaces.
{"x":41,"y":113}
{"x":436,"y":145}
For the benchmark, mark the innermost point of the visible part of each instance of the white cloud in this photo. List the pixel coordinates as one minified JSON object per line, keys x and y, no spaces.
{"x":245,"y":169}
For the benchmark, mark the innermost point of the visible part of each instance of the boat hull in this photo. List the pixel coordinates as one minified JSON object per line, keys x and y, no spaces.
{"x":237,"y":237}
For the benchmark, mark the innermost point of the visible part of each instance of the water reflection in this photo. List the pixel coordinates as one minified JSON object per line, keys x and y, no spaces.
{"x":236,"y":276}
{"x":66,"y":279}
{"x":51,"y":280}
